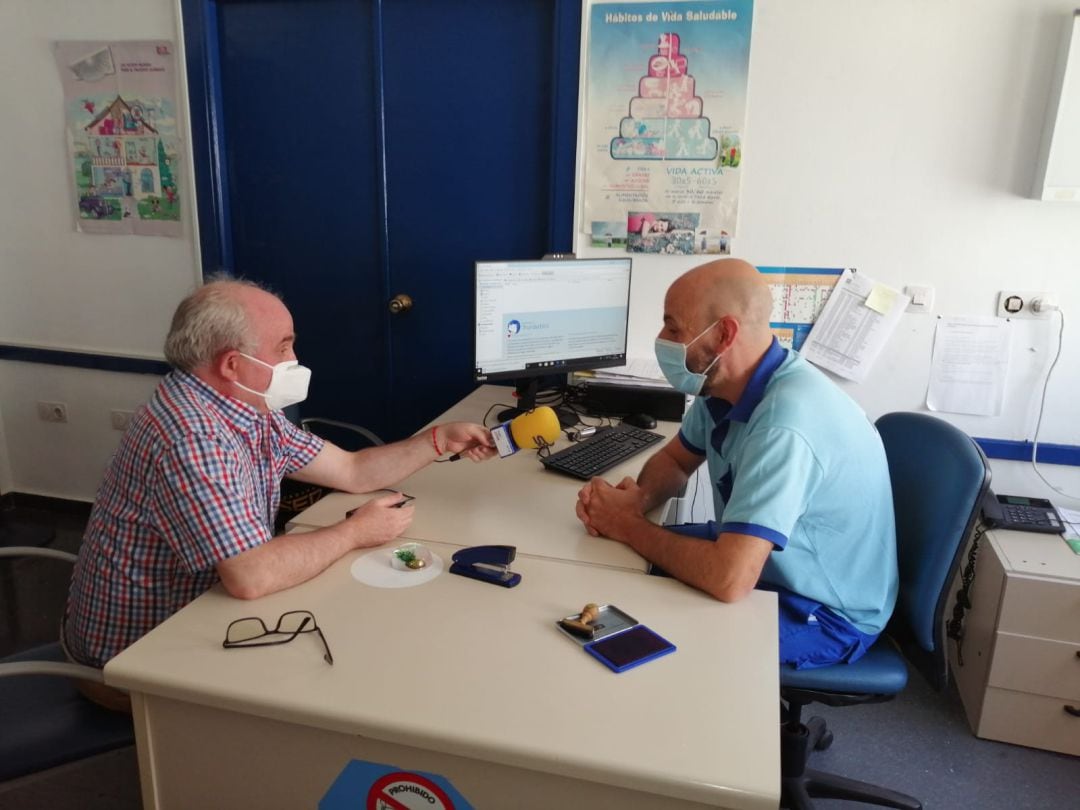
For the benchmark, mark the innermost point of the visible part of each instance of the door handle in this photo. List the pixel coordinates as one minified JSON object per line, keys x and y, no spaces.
{"x":400,"y":303}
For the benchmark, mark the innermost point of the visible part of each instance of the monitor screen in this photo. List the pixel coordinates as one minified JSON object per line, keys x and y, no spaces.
{"x":535,"y":318}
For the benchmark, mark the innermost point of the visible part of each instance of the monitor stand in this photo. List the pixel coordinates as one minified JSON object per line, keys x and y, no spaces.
{"x":525,"y":391}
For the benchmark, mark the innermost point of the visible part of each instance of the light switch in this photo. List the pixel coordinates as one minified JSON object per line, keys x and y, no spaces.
{"x":922,"y":298}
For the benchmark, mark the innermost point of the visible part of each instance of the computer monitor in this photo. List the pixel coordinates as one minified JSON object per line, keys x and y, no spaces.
{"x":544,"y":317}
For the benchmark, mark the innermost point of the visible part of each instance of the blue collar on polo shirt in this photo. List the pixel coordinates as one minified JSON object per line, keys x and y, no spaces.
{"x":759,"y":380}
{"x":722,"y":411}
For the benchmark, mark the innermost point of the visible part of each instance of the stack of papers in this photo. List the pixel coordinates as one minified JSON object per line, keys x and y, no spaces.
{"x":637,"y":371}
{"x":1071,"y":519}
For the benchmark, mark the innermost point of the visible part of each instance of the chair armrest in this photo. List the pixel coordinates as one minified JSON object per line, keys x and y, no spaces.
{"x":63,"y":669}
{"x":59,"y":668}
{"x":367,"y":434}
{"x":36,"y":551}
{"x":80,"y":672}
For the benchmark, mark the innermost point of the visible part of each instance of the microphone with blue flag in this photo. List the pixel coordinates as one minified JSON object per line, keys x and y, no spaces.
{"x":531,"y":430}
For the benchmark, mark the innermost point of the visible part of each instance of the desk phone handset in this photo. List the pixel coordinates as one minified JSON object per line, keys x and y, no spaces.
{"x":1021,"y":513}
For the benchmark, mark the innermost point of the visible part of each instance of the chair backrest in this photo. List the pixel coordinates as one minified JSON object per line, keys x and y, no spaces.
{"x":338,"y":430}
{"x":44,"y":720}
{"x":296,"y":496}
{"x":939,"y":477}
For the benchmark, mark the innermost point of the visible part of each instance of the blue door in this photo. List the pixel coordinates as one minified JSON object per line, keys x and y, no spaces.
{"x":355,"y":153}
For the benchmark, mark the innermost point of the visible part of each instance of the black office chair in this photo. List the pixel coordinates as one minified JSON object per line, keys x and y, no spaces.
{"x":341,"y":427}
{"x":44,"y":720}
{"x":16,"y":533}
{"x":939,"y":476}
{"x":296,"y":496}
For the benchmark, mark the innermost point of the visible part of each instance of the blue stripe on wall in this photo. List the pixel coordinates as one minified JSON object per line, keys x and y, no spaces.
{"x":96,"y":362}
{"x":1067,"y":454}
{"x":1021,"y":451}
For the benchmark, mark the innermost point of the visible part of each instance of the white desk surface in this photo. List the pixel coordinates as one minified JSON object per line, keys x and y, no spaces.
{"x":465,"y":667}
{"x":1037,"y":554}
{"x":512,"y":501}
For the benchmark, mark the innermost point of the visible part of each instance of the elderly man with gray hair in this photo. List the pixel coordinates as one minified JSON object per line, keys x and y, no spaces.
{"x":190,"y":496}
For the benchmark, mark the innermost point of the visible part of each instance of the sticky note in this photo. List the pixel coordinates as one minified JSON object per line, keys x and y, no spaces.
{"x":881,"y":299}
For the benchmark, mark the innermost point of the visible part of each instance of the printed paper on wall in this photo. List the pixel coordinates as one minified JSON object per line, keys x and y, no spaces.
{"x":123,"y":137}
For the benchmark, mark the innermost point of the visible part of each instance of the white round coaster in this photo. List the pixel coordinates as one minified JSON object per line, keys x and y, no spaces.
{"x":377,"y":569}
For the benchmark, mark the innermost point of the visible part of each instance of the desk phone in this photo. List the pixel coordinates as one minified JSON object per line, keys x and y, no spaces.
{"x":1021,"y":513}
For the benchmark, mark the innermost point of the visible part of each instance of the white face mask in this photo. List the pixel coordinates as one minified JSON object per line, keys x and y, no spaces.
{"x":288,"y":385}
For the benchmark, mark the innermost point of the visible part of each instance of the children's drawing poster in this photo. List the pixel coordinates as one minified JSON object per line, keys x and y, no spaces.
{"x":123,"y":137}
{"x":664,"y":115}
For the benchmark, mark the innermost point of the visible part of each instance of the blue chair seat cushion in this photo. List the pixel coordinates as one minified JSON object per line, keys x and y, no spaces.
{"x":47,"y":722}
{"x":882,"y":671}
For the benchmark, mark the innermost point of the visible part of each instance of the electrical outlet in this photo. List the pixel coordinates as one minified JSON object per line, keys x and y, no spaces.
{"x":120,"y":419}
{"x":1018,"y":303}
{"x":52,"y":411}
{"x":922,"y":298}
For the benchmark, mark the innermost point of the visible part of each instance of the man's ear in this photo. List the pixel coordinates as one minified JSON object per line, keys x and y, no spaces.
{"x":227,"y":365}
{"x":725,"y":333}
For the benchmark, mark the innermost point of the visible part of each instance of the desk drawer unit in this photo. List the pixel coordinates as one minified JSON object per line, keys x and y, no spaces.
{"x":1024,"y":685}
{"x":1033,"y":720}
{"x":1039,"y":666}
{"x":1042,"y":608}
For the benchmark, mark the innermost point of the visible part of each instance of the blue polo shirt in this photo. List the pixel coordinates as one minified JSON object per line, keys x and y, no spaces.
{"x":796,"y":462}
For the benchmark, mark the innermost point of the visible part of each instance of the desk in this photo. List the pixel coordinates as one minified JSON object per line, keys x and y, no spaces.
{"x":1022,"y":638}
{"x":467,"y":680}
{"x":512,"y":501}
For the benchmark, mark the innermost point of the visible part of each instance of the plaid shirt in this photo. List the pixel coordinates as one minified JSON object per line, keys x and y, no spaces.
{"x":196,"y":480}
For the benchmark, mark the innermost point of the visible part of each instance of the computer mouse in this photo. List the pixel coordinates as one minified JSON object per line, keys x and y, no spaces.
{"x":641,"y":420}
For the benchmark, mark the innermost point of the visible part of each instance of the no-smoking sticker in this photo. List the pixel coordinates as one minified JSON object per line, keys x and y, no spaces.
{"x":376,"y":786}
{"x":407,"y":791}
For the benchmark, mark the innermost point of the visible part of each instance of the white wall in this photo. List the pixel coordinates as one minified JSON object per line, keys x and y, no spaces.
{"x":66,"y":460}
{"x":897,"y":137}
{"x":901,"y":138}
{"x":63,"y":289}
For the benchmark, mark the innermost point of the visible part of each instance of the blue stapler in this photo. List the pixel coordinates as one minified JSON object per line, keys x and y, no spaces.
{"x":487,"y":564}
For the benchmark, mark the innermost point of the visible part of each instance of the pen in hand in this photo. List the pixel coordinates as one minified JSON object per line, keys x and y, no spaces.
{"x":404,"y":500}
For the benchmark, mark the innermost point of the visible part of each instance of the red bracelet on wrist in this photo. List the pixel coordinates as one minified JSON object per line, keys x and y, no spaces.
{"x":435,"y":441}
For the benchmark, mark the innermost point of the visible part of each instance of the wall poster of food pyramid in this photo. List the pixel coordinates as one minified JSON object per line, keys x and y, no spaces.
{"x":664,"y":111}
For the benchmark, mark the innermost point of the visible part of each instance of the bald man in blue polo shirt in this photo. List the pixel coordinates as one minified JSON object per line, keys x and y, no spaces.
{"x":800,"y":481}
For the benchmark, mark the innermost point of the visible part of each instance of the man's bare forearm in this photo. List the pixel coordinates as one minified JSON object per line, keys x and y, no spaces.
{"x":284,"y":561}
{"x":369,"y":469}
{"x":727,"y":568}
{"x":383,"y":466}
{"x":661,"y":478}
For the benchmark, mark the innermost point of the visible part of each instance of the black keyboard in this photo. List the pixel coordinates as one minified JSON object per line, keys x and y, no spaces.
{"x":601,"y":452}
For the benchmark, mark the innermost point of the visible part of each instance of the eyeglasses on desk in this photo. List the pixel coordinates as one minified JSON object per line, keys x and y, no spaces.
{"x":252,"y":631}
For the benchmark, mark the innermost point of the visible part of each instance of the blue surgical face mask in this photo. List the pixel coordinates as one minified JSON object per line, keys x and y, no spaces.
{"x":672,"y":359}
